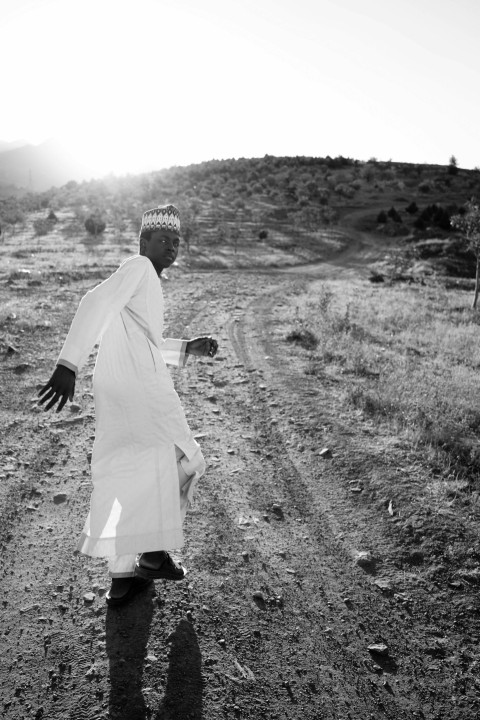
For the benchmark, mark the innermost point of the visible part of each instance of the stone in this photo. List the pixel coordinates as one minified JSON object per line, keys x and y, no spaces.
{"x":384,"y":585}
{"x":277,"y":509}
{"x":365,"y":560}
{"x":74,"y":408}
{"x":21,"y":368}
{"x":326,"y":453}
{"x":89,"y":597}
{"x":60,"y":498}
{"x":67,"y":422}
{"x":378,"y":649}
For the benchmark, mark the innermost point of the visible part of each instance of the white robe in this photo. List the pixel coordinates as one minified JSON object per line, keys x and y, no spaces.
{"x":135,"y":503}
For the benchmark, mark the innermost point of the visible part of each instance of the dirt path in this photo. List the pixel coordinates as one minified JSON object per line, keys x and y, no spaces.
{"x":276,"y":615}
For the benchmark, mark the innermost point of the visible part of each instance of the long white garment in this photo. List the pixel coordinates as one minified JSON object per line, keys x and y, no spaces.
{"x":135,"y":503}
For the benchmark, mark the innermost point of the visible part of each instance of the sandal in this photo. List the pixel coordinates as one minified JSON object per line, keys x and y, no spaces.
{"x":159,"y":566}
{"x":123,"y":589}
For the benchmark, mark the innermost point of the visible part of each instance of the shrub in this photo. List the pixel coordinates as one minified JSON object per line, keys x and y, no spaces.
{"x":42,"y":226}
{"x":424,"y":187}
{"x":344,"y":190}
{"x":94,"y":225}
{"x":382,"y":217}
{"x":412,"y":208}
{"x":434,"y":215}
{"x":304,"y":338}
{"x":263,"y":234}
{"x":395,"y":215}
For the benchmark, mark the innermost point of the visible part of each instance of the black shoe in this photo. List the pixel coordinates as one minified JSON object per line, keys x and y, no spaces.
{"x":123,"y":589}
{"x":158,"y":566}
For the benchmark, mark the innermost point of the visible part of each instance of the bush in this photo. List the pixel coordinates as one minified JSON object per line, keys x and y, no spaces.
{"x":395,"y":215}
{"x":263,"y":234}
{"x":344,"y":190}
{"x":382,"y":217}
{"x":42,"y":226}
{"x":424,"y":187}
{"x":94,"y":225}
{"x":433,"y":215}
{"x":412,"y":208}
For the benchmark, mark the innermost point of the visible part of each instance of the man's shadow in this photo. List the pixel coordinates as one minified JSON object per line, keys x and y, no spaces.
{"x":183,"y":694}
{"x":127,"y":636}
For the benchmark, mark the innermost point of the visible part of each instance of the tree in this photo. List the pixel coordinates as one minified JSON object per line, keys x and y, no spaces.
{"x":452,"y":166}
{"x":469,"y":224}
{"x":95,"y":225}
{"x":13,"y":216}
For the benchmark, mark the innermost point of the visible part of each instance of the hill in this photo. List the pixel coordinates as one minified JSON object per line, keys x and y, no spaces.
{"x":291,"y":206}
{"x":38,"y":167}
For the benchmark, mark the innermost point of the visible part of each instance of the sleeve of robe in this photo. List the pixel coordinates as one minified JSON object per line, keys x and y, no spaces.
{"x":174,"y":352}
{"x":97,"y":309}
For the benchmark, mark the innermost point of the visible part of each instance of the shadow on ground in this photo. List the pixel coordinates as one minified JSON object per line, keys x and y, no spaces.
{"x":127,"y":634}
{"x":127,"y":637}
{"x":183,"y":694}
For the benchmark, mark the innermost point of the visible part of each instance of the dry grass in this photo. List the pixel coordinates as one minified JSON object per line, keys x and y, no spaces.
{"x":407,"y":356}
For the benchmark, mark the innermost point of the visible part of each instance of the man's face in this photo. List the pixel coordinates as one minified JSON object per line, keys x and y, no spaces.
{"x":162,"y":248}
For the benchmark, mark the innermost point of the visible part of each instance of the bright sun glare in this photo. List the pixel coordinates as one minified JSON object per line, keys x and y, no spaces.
{"x":131,"y":86}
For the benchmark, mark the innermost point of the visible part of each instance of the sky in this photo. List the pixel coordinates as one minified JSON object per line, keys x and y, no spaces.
{"x":133,"y":85}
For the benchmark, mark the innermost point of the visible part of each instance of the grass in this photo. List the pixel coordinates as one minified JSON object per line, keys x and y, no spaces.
{"x":407,"y":357}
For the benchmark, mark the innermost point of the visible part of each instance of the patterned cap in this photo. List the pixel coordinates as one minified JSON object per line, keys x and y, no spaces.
{"x":165,"y":217}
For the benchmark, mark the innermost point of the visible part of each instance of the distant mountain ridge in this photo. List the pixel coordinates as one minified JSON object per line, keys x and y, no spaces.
{"x":39,"y":167}
{"x":13,"y":145}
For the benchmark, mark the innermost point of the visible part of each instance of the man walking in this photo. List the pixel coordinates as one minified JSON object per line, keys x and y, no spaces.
{"x":145,"y":460}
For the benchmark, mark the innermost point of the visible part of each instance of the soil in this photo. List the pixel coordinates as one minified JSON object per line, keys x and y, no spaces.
{"x":307,"y":596}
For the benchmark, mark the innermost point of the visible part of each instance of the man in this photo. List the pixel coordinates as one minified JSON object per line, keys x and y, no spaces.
{"x":145,"y":460}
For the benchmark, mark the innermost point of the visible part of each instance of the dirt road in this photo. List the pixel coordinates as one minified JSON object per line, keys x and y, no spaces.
{"x":293,"y":606}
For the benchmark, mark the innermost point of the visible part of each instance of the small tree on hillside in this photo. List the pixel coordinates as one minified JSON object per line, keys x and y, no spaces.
{"x":95,"y":225}
{"x":469,"y":224}
{"x":452,"y":165}
{"x":13,"y":216}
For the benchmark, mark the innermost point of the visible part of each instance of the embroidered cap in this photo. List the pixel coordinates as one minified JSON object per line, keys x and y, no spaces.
{"x":165,"y":217}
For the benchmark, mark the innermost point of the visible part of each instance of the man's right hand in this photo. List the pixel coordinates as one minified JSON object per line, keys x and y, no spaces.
{"x":60,"y":388}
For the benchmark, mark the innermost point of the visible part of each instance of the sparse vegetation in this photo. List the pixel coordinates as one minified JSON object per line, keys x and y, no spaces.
{"x":383,"y":373}
{"x":407,"y":359}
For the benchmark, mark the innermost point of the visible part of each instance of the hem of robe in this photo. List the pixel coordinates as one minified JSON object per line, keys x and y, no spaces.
{"x":106,"y":547}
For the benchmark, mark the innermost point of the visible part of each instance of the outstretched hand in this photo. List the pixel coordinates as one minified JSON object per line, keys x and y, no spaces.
{"x":60,"y":388}
{"x":202,"y":347}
